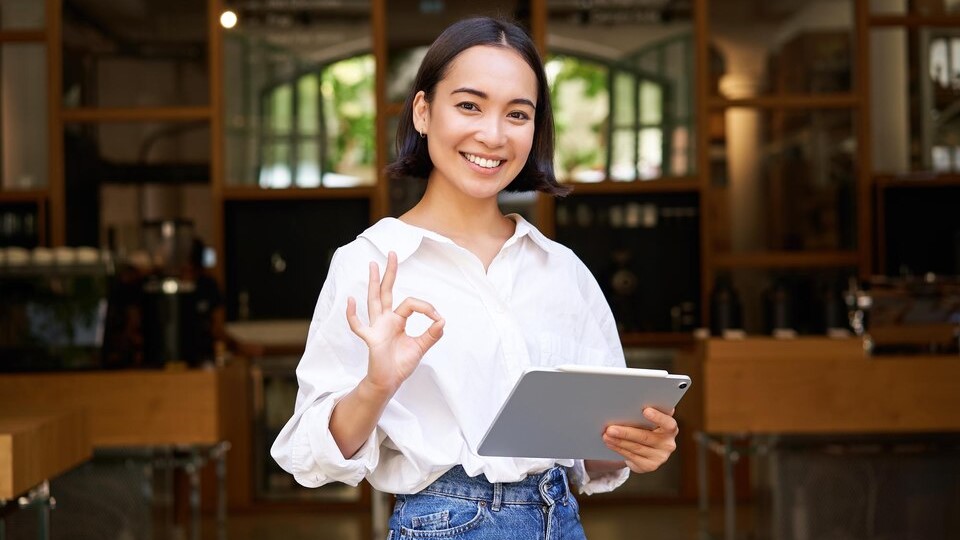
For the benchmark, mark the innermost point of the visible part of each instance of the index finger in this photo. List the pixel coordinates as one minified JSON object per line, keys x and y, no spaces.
{"x":665,"y":422}
{"x":386,"y":286}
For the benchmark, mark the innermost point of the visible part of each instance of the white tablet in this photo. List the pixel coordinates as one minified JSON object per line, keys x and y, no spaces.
{"x":561,"y":413}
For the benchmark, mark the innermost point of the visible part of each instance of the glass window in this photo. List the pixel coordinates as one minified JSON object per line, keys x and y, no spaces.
{"x":23,"y":113}
{"x":794,"y":48}
{"x":580,"y":94}
{"x":915,"y":85}
{"x":22,"y":14}
{"x":785,"y":181}
{"x":639,"y":59}
{"x":135,"y":54}
{"x":302,"y":113}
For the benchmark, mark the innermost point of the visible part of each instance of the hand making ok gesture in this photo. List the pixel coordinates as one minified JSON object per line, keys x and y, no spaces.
{"x":393,"y":354}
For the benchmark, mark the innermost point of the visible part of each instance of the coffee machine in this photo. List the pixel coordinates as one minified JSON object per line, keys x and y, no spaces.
{"x":170,"y":322}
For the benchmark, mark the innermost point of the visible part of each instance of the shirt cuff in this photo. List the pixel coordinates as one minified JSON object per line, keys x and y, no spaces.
{"x":601,"y":484}
{"x":316,"y":458}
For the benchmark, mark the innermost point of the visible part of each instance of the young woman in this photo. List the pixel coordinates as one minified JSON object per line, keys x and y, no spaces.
{"x":400,"y":388}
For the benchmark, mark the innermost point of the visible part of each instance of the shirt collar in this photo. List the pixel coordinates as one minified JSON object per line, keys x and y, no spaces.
{"x":391,"y":234}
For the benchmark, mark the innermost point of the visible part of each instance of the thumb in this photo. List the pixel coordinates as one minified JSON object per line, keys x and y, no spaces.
{"x":431,"y":336}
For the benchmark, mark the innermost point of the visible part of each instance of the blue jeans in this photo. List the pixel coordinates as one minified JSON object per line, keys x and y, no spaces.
{"x":456,"y":506}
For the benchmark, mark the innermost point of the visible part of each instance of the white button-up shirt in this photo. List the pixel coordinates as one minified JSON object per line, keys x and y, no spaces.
{"x":536,"y":305}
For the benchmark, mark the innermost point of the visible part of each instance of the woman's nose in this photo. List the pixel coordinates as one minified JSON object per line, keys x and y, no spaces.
{"x":491,"y":132}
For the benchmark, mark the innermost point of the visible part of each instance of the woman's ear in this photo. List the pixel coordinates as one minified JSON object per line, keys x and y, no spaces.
{"x":421,"y":112}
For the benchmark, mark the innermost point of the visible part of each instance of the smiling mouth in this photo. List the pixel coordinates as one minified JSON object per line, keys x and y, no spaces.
{"x":482,"y":162}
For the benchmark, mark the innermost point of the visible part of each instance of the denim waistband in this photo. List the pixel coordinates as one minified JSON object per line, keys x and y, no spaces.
{"x":548,"y":487}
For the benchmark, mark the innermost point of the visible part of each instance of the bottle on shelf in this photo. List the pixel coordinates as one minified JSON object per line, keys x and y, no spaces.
{"x":726,"y":311}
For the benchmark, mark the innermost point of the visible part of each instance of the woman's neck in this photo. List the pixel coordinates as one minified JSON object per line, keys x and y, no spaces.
{"x":457,"y":216}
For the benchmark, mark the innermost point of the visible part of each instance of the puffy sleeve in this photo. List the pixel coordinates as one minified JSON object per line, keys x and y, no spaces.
{"x":333,"y":362}
{"x":599,"y":309}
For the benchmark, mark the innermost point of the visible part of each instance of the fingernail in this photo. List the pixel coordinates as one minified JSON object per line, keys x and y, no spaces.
{"x":649,"y":413}
{"x":613,"y":432}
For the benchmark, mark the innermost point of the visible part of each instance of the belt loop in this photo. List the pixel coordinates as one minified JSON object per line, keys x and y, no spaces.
{"x":497,"y":496}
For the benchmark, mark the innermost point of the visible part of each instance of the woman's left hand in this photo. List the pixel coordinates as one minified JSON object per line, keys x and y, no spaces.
{"x":643,"y":449}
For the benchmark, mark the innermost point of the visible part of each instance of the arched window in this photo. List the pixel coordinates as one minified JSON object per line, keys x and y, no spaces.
{"x":624,"y":120}
{"x":318,"y":127}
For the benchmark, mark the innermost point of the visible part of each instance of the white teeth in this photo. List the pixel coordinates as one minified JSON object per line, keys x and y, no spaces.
{"x":485,"y":163}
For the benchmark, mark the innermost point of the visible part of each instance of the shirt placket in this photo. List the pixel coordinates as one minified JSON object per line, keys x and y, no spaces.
{"x":493,"y":288}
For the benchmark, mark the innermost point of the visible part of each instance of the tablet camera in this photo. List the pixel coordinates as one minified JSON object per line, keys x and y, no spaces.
{"x":682,"y":385}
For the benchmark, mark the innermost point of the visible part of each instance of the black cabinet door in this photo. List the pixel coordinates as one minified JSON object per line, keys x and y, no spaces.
{"x":278,"y":253}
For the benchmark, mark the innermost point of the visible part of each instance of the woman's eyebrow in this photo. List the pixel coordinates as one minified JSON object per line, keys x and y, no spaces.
{"x":483,"y":95}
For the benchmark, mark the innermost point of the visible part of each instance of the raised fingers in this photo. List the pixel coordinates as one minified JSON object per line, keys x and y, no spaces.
{"x":373,"y":293}
{"x":353,"y":320}
{"x":386,"y":286}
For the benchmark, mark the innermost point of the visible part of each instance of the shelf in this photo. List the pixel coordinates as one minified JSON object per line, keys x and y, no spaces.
{"x":13,"y":196}
{"x":789,"y":101}
{"x":136,"y":114}
{"x":259,"y":194}
{"x":680,"y":184}
{"x":787,"y":259}
{"x":657,"y":339}
{"x":918,"y":180}
{"x":943,"y":20}
{"x":22,"y":36}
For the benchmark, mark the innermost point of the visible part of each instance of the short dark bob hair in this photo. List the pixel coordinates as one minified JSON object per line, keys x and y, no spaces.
{"x":413,"y":159}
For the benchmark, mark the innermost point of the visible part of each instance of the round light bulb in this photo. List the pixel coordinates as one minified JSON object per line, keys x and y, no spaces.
{"x":228,"y":19}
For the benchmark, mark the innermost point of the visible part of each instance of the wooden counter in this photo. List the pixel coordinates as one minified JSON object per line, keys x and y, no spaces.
{"x":820,"y":385}
{"x":136,"y":408}
{"x":37,"y":447}
{"x":253,"y":339}
{"x":133,"y":407}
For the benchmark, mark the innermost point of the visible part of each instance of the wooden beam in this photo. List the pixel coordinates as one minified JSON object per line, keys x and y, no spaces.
{"x":788,"y":101}
{"x":702,"y":106}
{"x":380,"y":196}
{"x":23,"y":36}
{"x":864,"y":160}
{"x":686,"y":184}
{"x":260,"y":194}
{"x":217,"y":116}
{"x":139,"y":114}
{"x":788,"y":259}
{"x":56,"y":182}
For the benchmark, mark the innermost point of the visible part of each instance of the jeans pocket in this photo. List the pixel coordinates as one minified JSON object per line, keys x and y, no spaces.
{"x":430,"y":516}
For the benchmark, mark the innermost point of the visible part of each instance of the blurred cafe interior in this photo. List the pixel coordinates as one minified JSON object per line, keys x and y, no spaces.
{"x":767,"y":191}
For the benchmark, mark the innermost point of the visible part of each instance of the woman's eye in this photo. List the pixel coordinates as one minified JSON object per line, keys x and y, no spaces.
{"x":467,"y":106}
{"x":519,"y":115}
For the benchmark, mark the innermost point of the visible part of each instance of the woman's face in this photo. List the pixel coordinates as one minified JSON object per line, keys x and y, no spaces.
{"x":479,"y":126}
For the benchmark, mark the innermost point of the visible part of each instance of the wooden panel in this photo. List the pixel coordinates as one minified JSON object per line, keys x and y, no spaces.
{"x":799,"y":101}
{"x":864,"y":160}
{"x":918,"y":181}
{"x":217,"y":121}
{"x":260,"y":194}
{"x":787,"y":259}
{"x":684,"y":184}
{"x":816,"y":385}
{"x":255,"y":339}
{"x":22,"y":36}
{"x":55,"y":183}
{"x":136,"y":114}
{"x":34,"y":196}
{"x":916,"y":21}
{"x":127,"y":408}
{"x":702,"y":77}
{"x":36,"y":447}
